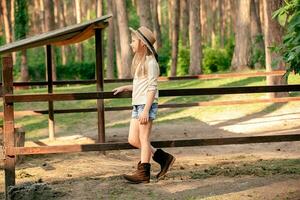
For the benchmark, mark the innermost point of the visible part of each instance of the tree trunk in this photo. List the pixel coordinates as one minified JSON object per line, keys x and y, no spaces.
{"x":126,"y":54}
{"x":273,"y":37}
{"x":170,"y":18}
{"x":6,"y":18}
{"x":117,"y":41}
{"x":24,"y":67}
{"x":204,"y":20}
{"x":144,"y":13}
{"x":160,"y":18}
{"x":256,"y":31}
{"x":221,"y":7}
{"x":42,"y":16}
{"x":79,"y":46}
{"x":195,"y":38}
{"x":242,"y":49}
{"x":62,"y":23}
{"x":49,"y":25}
{"x":110,"y":44}
{"x":184,"y":21}
{"x":214,"y":22}
{"x":99,"y":8}
{"x":175,"y":35}
{"x":156,"y":26}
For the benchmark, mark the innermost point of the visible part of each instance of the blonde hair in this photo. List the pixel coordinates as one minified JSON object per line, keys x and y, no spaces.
{"x":138,"y":64}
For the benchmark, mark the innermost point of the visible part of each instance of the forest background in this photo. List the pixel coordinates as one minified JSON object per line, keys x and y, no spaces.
{"x":193,"y":36}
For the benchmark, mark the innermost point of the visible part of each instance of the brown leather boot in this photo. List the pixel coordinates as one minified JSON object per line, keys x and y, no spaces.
{"x":165,"y":160}
{"x":141,"y":175}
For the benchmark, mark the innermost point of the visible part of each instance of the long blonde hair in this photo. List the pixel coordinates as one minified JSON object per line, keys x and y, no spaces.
{"x":138,"y":64}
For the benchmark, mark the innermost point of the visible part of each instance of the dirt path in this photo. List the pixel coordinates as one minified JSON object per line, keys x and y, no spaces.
{"x":249,"y":171}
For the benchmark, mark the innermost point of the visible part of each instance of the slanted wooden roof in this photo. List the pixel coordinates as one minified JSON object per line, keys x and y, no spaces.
{"x":67,"y":35}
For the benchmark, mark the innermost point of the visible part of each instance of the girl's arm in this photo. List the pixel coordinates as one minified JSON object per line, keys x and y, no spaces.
{"x":122,"y":89}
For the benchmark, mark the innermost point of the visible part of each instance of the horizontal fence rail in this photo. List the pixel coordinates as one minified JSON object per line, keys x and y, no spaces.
{"x":10,"y":98}
{"x":170,"y":143}
{"x":169,"y":105}
{"x":161,"y":78}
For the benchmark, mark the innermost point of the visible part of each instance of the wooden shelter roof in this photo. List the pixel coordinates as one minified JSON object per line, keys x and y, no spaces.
{"x":63,"y":36}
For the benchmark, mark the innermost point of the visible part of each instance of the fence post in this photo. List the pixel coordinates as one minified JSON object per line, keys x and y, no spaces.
{"x":99,"y":83}
{"x":51,"y":123}
{"x":8,"y":122}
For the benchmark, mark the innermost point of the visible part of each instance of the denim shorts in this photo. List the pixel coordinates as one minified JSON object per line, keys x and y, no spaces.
{"x":138,"y":109}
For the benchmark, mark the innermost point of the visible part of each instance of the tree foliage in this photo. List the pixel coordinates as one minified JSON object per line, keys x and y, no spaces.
{"x":290,"y":48}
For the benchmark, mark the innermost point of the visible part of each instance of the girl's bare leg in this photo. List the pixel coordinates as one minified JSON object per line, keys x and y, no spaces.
{"x":133,"y":136}
{"x":144,"y":133}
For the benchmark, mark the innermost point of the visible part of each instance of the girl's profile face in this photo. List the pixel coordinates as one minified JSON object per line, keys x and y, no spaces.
{"x":134,"y":43}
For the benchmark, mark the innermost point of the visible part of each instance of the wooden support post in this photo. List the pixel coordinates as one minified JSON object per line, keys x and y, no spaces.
{"x":8,"y":122}
{"x":51,"y":123}
{"x":100,"y":80}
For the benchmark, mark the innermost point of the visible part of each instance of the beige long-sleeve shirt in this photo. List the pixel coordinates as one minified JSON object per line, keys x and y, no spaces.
{"x":142,"y":85}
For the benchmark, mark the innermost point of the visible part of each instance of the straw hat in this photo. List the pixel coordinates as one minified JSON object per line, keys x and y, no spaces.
{"x":147,"y":38}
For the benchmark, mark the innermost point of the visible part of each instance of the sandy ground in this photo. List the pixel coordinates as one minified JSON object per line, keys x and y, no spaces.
{"x":94,"y":175}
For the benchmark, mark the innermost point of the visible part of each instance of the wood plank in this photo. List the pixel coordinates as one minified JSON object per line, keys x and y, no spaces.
{"x":162,"y":93}
{"x":169,"y":105}
{"x":8,"y":122}
{"x":49,"y":66}
{"x":157,"y":144}
{"x":161,"y":78}
{"x":53,"y":36}
{"x":99,"y":84}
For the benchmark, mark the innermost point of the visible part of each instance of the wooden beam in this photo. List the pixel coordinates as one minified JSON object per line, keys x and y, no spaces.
{"x":8,"y":122}
{"x":51,"y":123}
{"x":100,"y":83}
{"x":162,"y":93}
{"x":157,"y":144}
{"x":54,"y":36}
{"x":169,"y":105}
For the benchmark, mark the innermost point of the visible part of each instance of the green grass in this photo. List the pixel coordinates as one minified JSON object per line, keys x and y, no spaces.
{"x":77,"y":123}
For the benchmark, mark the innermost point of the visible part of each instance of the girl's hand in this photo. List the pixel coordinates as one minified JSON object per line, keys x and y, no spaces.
{"x":118,"y":89}
{"x":144,"y":117}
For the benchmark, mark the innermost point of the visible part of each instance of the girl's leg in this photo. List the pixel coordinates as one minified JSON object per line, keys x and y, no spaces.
{"x":144,"y":135}
{"x":133,"y":136}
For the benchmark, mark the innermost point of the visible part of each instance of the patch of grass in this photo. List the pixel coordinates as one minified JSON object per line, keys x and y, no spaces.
{"x":260,"y":168}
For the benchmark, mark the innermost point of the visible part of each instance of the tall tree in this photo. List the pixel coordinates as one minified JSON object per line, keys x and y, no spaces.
{"x":242,"y":49}
{"x":144,"y":12}
{"x":42,"y":15}
{"x":49,"y":25}
{"x":256,"y":32}
{"x":63,"y":23}
{"x":214,"y":23}
{"x":7,"y":22}
{"x":204,"y":11}
{"x":195,"y":38}
{"x":110,"y":43}
{"x":170,"y":18}
{"x":99,"y":8}
{"x":184,"y":21}
{"x":156,"y":26}
{"x":126,"y":53}
{"x":273,"y":34}
{"x":221,"y":6}
{"x":79,"y":55}
{"x":117,"y":41}
{"x":21,"y":29}
{"x":175,"y":36}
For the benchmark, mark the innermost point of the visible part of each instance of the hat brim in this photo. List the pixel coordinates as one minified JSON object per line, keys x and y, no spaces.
{"x":150,"y":47}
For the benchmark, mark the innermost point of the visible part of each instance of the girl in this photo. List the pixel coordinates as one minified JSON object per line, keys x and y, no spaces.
{"x":145,"y":71}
